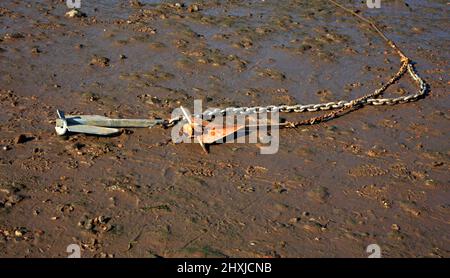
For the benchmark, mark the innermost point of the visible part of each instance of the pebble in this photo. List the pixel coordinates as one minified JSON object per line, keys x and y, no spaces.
{"x":135,"y":4}
{"x":193,"y":8}
{"x":410,"y":207}
{"x":294,"y":220}
{"x":319,"y":194}
{"x":386,"y":204}
{"x":75,"y":13}
{"x":35,"y":50}
{"x":99,"y":61}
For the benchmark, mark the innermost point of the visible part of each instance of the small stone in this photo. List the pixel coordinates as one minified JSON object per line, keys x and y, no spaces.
{"x":294,"y":220}
{"x":35,"y":50}
{"x":386,"y":204}
{"x":18,"y":233}
{"x":430,"y":182}
{"x":193,"y":8}
{"x":75,"y":13}
{"x":395,"y":227}
{"x":99,"y":61}
{"x":123,"y":57}
{"x":106,"y":227}
{"x":6,"y":148}
{"x":135,"y":4}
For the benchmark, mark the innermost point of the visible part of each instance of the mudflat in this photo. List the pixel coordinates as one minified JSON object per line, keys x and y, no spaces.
{"x":378,"y":175}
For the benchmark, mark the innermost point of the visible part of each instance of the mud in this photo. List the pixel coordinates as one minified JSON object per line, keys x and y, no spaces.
{"x":377,"y":175}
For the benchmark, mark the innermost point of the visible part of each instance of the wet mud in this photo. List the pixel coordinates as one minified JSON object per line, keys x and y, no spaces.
{"x":376,"y":175}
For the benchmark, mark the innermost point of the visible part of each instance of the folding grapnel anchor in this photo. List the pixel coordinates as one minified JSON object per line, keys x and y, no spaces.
{"x":98,"y":125}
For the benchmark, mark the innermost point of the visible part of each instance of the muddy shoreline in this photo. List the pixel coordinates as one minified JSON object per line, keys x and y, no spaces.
{"x":377,"y":175}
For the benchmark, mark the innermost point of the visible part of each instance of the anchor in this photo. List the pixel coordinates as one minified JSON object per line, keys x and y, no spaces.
{"x":98,"y":125}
